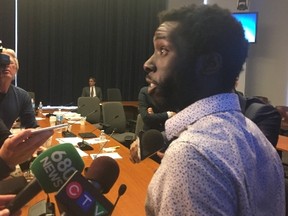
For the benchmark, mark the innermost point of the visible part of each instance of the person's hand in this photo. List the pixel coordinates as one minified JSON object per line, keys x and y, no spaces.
{"x":150,"y":110}
{"x":160,"y":154}
{"x":20,"y":147}
{"x":4,"y":200}
{"x":171,"y":114}
{"x":134,"y":152}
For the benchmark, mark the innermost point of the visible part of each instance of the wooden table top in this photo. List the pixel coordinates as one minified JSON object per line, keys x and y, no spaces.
{"x":135,"y":176}
{"x":282,"y":143}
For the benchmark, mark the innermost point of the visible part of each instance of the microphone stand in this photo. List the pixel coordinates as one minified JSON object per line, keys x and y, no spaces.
{"x":107,"y":125}
{"x":102,"y":147}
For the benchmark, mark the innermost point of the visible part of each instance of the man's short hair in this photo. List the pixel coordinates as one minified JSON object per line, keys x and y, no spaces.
{"x":210,"y":29}
{"x":12,"y":55}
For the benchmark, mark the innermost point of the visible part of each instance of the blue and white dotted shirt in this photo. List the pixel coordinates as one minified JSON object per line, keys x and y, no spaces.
{"x":219,"y":164}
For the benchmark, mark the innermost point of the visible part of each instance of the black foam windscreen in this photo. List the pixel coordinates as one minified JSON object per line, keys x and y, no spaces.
{"x":151,"y":141}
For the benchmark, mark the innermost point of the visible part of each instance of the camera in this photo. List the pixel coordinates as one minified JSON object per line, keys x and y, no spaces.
{"x":4,"y":59}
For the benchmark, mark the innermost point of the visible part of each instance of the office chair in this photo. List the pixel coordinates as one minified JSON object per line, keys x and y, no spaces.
{"x":114,"y":94}
{"x":90,"y":108}
{"x":32,"y":95}
{"x":114,"y":122}
{"x":283,"y":110}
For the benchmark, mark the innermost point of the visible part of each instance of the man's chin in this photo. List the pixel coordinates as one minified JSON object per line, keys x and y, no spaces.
{"x":164,"y":103}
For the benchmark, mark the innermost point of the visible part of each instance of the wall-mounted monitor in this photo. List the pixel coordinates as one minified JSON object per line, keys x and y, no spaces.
{"x":249,"y":21}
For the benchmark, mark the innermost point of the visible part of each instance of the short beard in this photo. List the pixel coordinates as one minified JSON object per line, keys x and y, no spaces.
{"x":165,"y":95}
{"x":178,"y":90}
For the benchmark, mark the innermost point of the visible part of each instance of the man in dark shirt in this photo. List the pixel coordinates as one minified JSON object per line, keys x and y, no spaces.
{"x":15,"y":101}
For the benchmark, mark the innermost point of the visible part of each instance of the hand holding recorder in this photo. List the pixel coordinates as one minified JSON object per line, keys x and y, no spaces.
{"x":20,"y":147}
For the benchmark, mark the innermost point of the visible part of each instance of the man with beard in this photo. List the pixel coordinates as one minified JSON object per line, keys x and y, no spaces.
{"x":219,"y":162}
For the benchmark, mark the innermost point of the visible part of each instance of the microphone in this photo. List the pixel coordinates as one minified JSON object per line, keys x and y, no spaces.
{"x":90,"y":113}
{"x":80,"y":197}
{"x":69,"y":104}
{"x":68,"y":133}
{"x":51,"y":168}
{"x":84,"y":145}
{"x":88,"y":134}
{"x":103,"y":171}
{"x":76,"y":109}
{"x":107,"y":125}
{"x":149,"y":143}
{"x":122,"y":189}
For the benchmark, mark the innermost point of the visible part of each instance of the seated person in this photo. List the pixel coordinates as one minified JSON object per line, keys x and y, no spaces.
{"x":15,"y":102}
{"x":92,"y":90}
{"x":152,"y":116}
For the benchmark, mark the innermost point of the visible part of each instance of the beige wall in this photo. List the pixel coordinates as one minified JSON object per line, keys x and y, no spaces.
{"x":266,"y":70}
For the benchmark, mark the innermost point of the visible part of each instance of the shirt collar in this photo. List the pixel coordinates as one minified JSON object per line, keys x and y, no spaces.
{"x":204,"y":107}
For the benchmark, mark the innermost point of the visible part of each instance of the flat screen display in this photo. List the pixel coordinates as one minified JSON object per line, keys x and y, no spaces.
{"x":249,"y":21}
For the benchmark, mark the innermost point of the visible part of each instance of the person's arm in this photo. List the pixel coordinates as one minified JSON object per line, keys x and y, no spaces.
{"x":150,"y":120}
{"x":99,"y":93}
{"x":27,"y":114}
{"x":19,"y":148}
{"x":83,"y":92}
{"x":4,"y":200}
{"x":4,"y":132}
{"x":267,"y":118}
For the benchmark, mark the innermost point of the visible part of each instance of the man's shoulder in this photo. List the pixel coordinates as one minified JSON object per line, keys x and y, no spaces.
{"x":18,"y":90}
{"x":256,"y":108}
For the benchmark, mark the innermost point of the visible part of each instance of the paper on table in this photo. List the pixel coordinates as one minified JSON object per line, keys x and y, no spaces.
{"x":72,"y":140}
{"x":95,"y":140}
{"x":113,"y":155}
{"x":81,"y":153}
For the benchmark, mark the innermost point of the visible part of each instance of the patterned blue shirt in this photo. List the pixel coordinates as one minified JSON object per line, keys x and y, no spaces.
{"x":219,"y":164}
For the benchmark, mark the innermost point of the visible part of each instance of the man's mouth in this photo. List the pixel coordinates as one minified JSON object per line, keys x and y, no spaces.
{"x":151,"y":88}
{"x":4,"y":71}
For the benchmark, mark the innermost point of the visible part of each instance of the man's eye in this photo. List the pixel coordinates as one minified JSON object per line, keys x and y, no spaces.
{"x":163,"y":51}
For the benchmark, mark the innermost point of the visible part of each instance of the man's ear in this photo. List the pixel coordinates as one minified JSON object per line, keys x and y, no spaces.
{"x":209,"y":64}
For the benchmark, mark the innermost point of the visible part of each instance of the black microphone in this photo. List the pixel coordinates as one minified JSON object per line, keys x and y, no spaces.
{"x":76,"y":109}
{"x":68,"y":133}
{"x":149,"y":143}
{"x":122,"y":189}
{"x":69,"y":104}
{"x":90,"y":113}
{"x":80,"y":197}
{"x":84,"y":145}
{"x":88,"y":134}
{"x":107,"y":125}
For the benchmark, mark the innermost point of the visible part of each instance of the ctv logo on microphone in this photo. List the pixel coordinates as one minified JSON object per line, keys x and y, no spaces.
{"x":84,"y":199}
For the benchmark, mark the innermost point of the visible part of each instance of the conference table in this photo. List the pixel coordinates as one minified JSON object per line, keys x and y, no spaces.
{"x":135,"y":176}
{"x":282,"y":143}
